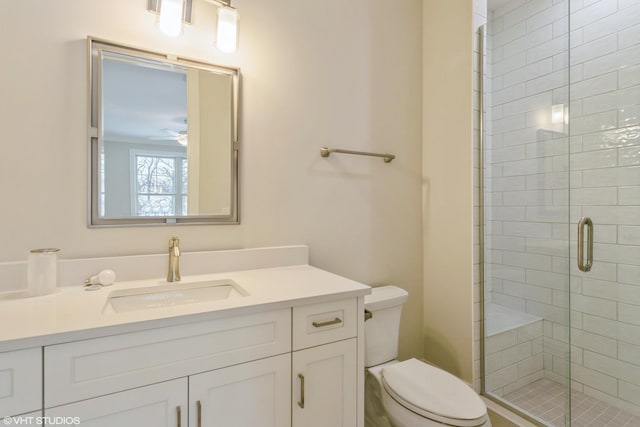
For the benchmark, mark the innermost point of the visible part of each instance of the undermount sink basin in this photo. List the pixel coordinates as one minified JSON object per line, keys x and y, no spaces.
{"x":174,"y":294}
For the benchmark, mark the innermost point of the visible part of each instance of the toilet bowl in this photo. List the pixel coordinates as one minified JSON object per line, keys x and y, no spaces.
{"x":411,"y":393}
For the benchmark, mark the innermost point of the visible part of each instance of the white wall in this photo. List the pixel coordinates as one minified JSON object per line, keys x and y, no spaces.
{"x":342,"y":74}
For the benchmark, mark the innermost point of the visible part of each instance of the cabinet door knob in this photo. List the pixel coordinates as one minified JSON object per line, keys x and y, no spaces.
{"x":301,"y":402}
{"x":179,"y":415}
{"x":327,"y":323}
{"x":199,"y":413}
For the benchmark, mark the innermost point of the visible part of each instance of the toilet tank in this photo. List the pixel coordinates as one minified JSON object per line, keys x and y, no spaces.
{"x":382,"y":329}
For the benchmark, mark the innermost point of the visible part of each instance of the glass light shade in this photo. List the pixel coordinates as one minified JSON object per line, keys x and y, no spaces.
{"x":227,"y":37}
{"x":170,"y":22}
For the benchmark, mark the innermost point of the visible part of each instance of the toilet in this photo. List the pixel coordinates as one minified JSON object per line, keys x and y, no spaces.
{"x":410,"y":393}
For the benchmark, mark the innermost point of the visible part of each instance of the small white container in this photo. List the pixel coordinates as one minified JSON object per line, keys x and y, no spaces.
{"x":42,"y":271}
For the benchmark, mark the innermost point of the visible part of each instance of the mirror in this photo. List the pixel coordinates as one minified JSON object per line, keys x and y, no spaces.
{"x":164,"y":139}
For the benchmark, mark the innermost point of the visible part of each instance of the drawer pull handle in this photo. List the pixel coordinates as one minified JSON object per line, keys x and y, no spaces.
{"x":199,"y":413}
{"x":179,"y":415}
{"x":327,"y":323}
{"x":301,"y":402}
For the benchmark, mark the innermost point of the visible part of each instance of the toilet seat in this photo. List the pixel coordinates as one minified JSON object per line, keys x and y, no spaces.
{"x":433,"y":393}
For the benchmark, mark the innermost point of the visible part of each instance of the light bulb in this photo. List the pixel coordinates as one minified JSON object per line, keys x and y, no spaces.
{"x":227,"y":40}
{"x":557,"y":113}
{"x":170,"y":21}
{"x":104,"y":278}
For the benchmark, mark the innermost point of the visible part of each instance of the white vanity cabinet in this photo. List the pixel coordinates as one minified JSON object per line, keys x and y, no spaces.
{"x":292,"y":367}
{"x":212,"y":360}
{"x":21,"y":382}
{"x":324,"y":367}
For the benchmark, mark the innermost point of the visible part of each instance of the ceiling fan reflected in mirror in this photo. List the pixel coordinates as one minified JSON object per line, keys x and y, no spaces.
{"x":172,"y":135}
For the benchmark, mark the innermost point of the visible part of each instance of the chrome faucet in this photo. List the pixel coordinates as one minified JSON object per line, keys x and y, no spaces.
{"x":174,"y":260}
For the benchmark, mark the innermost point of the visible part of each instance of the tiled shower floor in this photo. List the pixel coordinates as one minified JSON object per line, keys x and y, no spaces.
{"x":545,"y":400}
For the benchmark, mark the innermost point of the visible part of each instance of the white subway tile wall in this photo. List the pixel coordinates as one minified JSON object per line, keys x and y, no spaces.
{"x":514,"y":358}
{"x":562,"y":120}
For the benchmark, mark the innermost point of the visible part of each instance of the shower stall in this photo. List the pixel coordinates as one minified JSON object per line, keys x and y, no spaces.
{"x":560,"y":213}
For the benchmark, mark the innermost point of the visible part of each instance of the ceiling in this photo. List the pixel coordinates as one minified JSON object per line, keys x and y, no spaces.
{"x":142,"y":102}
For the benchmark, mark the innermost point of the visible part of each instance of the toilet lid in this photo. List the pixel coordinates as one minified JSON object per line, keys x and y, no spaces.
{"x":433,"y":393}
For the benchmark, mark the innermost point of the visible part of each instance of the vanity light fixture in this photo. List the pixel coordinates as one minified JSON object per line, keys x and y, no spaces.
{"x":172,"y":14}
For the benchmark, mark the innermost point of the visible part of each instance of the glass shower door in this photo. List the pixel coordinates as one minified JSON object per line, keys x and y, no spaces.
{"x":526,"y":208}
{"x":561,"y":210}
{"x":604,"y":162}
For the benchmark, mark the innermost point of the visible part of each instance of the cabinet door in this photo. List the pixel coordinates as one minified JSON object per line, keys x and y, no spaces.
{"x":163,"y":404}
{"x":325,"y":386}
{"x":20,"y":381}
{"x":247,"y":395}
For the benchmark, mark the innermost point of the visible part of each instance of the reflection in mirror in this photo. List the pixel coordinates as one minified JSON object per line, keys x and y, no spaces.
{"x":163,"y":137}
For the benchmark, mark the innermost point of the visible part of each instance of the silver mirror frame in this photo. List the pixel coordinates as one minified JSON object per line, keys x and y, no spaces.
{"x":94,"y":219}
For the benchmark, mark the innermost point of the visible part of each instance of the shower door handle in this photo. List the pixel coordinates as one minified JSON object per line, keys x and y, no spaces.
{"x":585,"y":220}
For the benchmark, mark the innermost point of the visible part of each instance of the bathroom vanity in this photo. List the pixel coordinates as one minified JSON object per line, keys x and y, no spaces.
{"x":286,"y":351}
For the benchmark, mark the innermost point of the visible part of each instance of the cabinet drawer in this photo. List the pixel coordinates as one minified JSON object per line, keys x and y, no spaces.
{"x":90,"y":368}
{"x":318,"y":324}
{"x":20,"y":381}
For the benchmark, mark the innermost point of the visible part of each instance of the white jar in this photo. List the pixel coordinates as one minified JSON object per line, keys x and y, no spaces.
{"x":42,"y":271}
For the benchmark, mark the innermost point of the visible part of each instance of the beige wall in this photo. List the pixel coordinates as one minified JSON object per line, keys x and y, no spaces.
{"x":447,"y":185}
{"x":342,"y":74}
{"x":215,"y":168}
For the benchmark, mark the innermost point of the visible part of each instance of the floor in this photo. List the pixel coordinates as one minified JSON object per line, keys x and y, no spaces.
{"x":545,"y":400}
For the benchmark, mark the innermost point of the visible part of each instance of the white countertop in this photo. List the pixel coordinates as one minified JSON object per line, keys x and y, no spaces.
{"x":73,"y":313}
